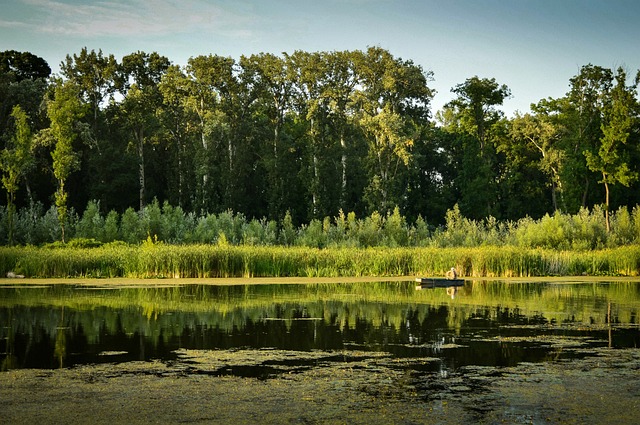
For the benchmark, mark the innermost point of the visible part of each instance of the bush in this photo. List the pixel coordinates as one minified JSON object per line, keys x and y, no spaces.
{"x":82,"y":243}
{"x":131,"y":229}
{"x":91,"y":225}
{"x":111,"y":232}
{"x":585,"y":230}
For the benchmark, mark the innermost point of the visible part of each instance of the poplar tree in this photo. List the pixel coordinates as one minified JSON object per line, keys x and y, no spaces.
{"x":14,"y":162}
{"x":64,"y":111}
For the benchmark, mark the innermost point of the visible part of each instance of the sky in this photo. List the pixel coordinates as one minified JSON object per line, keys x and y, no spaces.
{"x":532,"y":46}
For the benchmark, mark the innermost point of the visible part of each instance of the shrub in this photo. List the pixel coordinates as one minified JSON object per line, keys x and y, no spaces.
{"x":151,"y":220}
{"x":91,"y":225}
{"x":131,"y":229}
{"x":111,"y":232}
{"x":312,"y":235}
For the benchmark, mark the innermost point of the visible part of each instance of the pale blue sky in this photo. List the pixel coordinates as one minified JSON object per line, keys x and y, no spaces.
{"x":532,"y":46}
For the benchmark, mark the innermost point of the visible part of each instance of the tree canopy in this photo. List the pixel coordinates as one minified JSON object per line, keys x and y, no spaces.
{"x":309,"y":135}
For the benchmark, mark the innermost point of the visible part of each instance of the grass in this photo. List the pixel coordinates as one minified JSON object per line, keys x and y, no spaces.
{"x":159,"y":260}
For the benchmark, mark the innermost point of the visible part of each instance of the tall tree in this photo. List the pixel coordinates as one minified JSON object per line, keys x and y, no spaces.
{"x":210,"y":85}
{"x":176,"y":121}
{"x":139,"y":76}
{"x":95,"y":75}
{"x":539,"y":132}
{"x":273,"y":85}
{"x":65,"y":111}
{"x":611,"y":156}
{"x":393,"y":101}
{"x":581,"y":115}
{"x":15,"y":162}
{"x":310,"y":77}
{"x":474,"y":116}
{"x":339,"y":92}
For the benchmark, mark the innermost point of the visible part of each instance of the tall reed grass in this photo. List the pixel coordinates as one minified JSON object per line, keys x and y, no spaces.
{"x":160,"y":260}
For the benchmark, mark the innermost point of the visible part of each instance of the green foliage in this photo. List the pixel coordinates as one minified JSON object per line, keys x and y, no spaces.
{"x":64,"y":112}
{"x":82,"y":243}
{"x":288,"y":233}
{"x":322,"y":150}
{"x":92,"y":224}
{"x":111,"y":232}
{"x":585,"y":230}
{"x":580,"y":232}
{"x":14,"y":164}
{"x":131,"y":230}
{"x":312,"y":235}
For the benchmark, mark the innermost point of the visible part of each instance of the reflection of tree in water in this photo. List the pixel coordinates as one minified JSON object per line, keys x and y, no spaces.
{"x":60,"y":351}
{"x":7,"y":346}
{"x":411,"y":323}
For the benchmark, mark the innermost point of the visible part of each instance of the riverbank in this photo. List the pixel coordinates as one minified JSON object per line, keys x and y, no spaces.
{"x":233,"y":281}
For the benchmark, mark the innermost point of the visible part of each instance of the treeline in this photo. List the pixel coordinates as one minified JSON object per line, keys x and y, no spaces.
{"x":586,"y":230}
{"x":303,"y":135}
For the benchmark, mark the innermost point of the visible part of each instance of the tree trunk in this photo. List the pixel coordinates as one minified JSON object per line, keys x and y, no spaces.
{"x":314,"y":183}
{"x":180,"y":176}
{"x":606,"y":203}
{"x":314,"y":187}
{"x":141,"y":167}
{"x":61,"y":206}
{"x":11,"y":210}
{"x":585,"y":192}
{"x":343,"y":161}
{"x":29,"y":193}
{"x":553,"y":196}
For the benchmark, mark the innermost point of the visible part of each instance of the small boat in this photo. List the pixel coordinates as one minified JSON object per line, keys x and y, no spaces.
{"x":437,"y":282}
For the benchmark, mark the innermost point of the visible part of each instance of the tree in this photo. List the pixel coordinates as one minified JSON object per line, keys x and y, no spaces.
{"x":176,"y":121}
{"x":610,"y":157}
{"x":22,"y":82}
{"x":581,"y":115}
{"x":64,"y":111}
{"x":339,"y":94}
{"x":474,"y":118}
{"x":210,"y":83}
{"x":15,"y":162}
{"x":393,"y":102}
{"x":475,"y":107}
{"x":309,"y":76}
{"x":272,"y":83}
{"x":538,"y":132}
{"x":24,"y":65}
{"x":138,"y":79}
{"x":95,"y":75}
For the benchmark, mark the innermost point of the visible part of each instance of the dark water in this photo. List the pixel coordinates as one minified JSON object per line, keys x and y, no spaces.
{"x":485,"y":324}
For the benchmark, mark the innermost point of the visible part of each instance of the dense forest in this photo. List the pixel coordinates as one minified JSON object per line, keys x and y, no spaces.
{"x":293,"y":139}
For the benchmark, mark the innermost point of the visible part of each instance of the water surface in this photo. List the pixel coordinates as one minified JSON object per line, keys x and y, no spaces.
{"x":482,"y":324}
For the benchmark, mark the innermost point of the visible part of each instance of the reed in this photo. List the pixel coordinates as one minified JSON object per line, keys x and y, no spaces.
{"x":159,"y":260}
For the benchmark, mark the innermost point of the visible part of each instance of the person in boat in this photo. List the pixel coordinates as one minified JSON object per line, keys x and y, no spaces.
{"x":452,"y":274}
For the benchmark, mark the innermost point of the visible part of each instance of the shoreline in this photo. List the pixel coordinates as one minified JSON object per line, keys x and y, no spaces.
{"x":231,"y":281}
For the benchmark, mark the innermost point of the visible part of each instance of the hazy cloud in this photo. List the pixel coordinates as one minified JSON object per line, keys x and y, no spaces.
{"x":135,"y":17}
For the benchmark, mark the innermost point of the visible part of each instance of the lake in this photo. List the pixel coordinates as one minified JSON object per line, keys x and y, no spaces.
{"x":485,"y":323}
{"x":287,"y":351}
